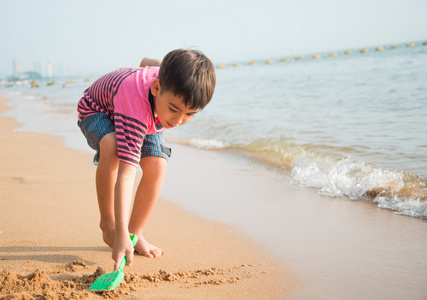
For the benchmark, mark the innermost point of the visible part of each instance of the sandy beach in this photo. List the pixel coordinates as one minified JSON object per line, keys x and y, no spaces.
{"x":51,"y":246}
{"x":229,"y":228}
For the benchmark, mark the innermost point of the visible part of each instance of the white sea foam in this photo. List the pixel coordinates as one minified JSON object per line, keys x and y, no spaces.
{"x":13,"y":93}
{"x":357,"y":180}
{"x":410,"y":207}
{"x":209,"y":144}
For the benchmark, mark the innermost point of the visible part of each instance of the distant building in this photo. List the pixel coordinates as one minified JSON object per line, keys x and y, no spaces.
{"x":49,"y":69}
{"x":18,"y":75}
{"x":17,"y":66}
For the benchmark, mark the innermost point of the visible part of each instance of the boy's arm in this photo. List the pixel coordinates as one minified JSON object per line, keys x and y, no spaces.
{"x":122,"y":200}
{"x":150,"y":62}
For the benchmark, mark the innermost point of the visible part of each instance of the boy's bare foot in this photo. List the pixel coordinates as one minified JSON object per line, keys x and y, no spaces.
{"x":144,"y":248}
{"x":108,"y":236}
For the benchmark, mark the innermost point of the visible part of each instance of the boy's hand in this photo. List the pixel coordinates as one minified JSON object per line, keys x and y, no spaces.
{"x":122,"y":247}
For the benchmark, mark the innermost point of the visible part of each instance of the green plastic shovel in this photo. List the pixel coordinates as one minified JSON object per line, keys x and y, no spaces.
{"x":110,"y":281}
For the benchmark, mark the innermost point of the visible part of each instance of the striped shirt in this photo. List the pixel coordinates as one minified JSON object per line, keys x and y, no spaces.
{"x":124,"y":96}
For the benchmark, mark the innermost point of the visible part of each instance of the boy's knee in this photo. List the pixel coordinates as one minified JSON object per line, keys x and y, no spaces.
{"x":153,"y":166}
{"x":108,"y":145}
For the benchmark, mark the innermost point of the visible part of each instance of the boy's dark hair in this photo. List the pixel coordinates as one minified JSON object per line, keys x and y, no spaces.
{"x":188,"y":73}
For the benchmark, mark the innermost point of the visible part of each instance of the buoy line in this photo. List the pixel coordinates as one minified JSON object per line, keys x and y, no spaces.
{"x":319,"y":56}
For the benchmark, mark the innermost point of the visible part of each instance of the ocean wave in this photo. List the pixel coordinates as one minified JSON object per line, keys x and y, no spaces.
{"x":326,"y":169}
{"x":392,"y":189}
{"x":21,"y":95}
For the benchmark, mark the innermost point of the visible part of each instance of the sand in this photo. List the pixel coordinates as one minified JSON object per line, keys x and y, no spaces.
{"x":51,"y":246}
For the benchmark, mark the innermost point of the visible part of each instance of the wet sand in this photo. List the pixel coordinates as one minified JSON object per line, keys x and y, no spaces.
{"x":338,"y":248}
{"x":51,"y":246}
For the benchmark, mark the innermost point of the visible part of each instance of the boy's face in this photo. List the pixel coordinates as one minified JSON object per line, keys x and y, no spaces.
{"x":169,"y":108}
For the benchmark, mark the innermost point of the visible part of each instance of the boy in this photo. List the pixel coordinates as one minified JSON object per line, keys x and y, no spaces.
{"x":123,"y":115}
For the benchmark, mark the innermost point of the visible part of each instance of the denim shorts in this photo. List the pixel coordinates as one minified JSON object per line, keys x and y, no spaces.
{"x":96,"y":126}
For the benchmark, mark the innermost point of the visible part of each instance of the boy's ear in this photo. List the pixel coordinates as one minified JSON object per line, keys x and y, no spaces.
{"x":155,"y":88}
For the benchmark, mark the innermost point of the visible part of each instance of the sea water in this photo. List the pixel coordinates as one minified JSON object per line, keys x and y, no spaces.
{"x":352,"y":126}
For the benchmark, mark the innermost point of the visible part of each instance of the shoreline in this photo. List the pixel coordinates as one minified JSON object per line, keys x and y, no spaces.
{"x":50,"y":223}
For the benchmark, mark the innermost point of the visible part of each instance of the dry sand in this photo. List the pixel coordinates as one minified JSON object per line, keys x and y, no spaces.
{"x":51,"y":246}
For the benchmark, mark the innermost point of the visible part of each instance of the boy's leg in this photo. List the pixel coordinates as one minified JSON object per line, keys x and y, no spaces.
{"x":106,"y":176}
{"x":100,"y":134}
{"x":154,"y":170}
{"x":154,"y":156}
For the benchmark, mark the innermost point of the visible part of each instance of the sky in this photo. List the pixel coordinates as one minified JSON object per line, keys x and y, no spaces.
{"x":98,"y":36}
